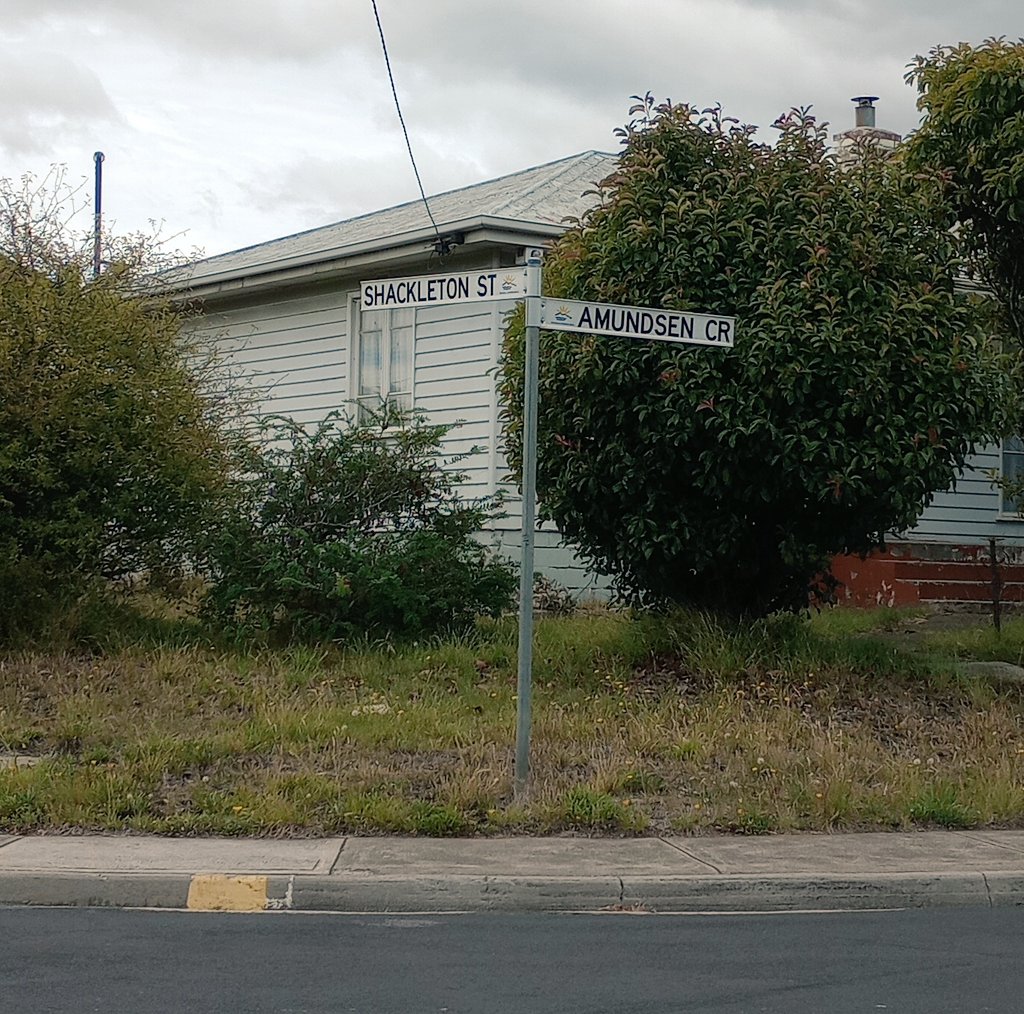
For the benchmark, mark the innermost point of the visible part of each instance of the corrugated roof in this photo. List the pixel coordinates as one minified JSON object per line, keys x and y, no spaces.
{"x":546,"y":194}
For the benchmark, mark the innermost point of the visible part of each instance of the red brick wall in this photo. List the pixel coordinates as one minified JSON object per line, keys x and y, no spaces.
{"x":906,"y":574}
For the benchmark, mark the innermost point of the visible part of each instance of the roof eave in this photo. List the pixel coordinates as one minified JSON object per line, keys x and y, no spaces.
{"x":341,"y":260}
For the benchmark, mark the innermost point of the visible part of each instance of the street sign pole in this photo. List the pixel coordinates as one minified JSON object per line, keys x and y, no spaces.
{"x":611,"y":319}
{"x":524,"y":689}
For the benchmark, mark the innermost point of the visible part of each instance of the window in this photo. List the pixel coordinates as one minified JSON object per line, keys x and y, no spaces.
{"x":1013,"y":474}
{"x":383,"y":359}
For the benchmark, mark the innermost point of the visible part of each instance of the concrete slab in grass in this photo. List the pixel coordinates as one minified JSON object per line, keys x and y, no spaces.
{"x":14,"y":761}
{"x":116,"y":854}
{"x":515,"y":857}
{"x":854,"y":854}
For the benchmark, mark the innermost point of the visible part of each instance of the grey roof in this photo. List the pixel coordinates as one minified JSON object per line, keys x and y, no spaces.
{"x":546,"y":194}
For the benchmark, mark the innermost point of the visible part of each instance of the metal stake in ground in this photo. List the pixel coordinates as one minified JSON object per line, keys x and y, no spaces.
{"x":524,"y":688}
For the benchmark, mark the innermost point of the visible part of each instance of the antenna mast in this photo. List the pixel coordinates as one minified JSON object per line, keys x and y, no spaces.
{"x":97,"y":238}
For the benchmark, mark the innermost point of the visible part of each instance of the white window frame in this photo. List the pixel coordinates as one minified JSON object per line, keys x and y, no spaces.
{"x":357,"y":399}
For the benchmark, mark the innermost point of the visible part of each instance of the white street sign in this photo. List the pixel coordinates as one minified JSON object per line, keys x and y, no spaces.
{"x":649,"y":323}
{"x":437,"y":290}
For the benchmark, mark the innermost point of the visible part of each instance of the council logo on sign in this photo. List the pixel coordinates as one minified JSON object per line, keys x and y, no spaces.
{"x":510,"y":284}
{"x":562,"y":315}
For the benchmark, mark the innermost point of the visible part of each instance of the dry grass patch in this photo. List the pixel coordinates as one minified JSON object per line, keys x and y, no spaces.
{"x":649,"y":724}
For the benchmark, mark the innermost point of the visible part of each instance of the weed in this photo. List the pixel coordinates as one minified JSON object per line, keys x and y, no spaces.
{"x":753,"y":822}
{"x":642,"y":782}
{"x":941,"y":804}
{"x":685,"y":749}
{"x":21,"y":805}
{"x":437,"y":820}
{"x":584,"y":808}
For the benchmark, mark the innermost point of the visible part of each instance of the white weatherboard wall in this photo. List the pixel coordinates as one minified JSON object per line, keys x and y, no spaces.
{"x":454,"y":384}
{"x":291,"y":353}
{"x":457,"y":352}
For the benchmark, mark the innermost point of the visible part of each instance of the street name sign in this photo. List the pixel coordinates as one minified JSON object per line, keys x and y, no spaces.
{"x":648,"y":323}
{"x":439,"y":290}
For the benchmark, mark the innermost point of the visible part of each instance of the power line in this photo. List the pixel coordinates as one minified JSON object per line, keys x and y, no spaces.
{"x":443,"y":245}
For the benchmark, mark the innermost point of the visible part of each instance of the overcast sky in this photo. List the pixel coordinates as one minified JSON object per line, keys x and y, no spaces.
{"x":237,"y":121}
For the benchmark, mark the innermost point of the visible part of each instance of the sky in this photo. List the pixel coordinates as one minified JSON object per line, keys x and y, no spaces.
{"x":231,"y":122}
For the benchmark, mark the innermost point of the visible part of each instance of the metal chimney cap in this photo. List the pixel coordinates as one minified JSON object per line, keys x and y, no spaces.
{"x":865,"y":114}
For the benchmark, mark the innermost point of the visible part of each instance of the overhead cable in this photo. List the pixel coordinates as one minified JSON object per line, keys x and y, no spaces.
{"x":443,"y":244}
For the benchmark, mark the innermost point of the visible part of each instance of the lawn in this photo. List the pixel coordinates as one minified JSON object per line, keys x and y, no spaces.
{"x":641,"y":725}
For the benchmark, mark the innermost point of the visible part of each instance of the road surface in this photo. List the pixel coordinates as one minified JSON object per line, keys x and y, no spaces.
{"x":927,"y":961}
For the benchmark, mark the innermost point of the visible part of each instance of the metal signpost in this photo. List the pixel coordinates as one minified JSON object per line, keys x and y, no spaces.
{"x":611,"y":319}
{"x":531,"y":385}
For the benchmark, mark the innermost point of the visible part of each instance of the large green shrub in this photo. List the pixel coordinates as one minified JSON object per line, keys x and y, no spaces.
{"x":346,"y":529}
{"x":110,"y":451}
{"x":858,"y":385}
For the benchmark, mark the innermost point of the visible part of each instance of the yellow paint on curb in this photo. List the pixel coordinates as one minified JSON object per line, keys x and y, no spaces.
{"x":217,"y":892}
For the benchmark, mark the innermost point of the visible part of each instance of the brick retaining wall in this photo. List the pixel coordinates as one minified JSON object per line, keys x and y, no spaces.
{"x":907,"y":574}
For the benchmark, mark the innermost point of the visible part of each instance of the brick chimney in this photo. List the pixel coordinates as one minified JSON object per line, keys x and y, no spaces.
{"x":863,"y":132}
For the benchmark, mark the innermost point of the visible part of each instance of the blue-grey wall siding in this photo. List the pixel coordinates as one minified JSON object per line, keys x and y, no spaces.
{"x":970,"y":513}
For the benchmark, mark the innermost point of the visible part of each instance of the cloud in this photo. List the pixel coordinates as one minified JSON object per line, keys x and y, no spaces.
{"x":249,"y":29}
{"x":246,"y":119}
{"x":317,"y":191}
{"x":49,"y":94}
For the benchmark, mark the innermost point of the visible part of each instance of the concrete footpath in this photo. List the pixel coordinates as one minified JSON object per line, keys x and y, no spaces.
{"x":723,"y":874}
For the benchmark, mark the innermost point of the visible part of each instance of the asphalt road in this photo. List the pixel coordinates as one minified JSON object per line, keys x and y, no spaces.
{"x":938,"y":961}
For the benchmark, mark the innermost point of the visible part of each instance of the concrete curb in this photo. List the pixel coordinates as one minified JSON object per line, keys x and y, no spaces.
{"x":462,"y":893}
{"x":95,"y":890}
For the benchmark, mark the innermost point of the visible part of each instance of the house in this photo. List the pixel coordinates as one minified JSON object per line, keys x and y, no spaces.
{"x":286,"y":315}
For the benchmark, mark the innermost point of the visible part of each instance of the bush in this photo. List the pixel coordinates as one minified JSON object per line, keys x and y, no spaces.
{"x":858,"y":385}
{"x":110,"y":450}
{"x":348,"y":529}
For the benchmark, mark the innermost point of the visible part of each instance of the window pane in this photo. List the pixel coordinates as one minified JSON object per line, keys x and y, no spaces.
{"x":1013,"y":466}
{"x":369,"y":362}
{"x":1013,"y":470}
{"x":368,"y":408}
{"x":401,"y":360}
{"x":401,"y":351}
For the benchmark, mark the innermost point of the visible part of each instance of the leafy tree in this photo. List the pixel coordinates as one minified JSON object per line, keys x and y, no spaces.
{"x":348,"y":529}
{"x":110,"y":448}
{"x":972,"y":98}
{"x":858,"y":385}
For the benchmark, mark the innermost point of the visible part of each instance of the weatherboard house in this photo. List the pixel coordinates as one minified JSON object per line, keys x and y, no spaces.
{"x":291,"y":318}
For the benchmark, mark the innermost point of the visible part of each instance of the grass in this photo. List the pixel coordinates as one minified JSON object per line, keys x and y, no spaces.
{"x":641,"y":725}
